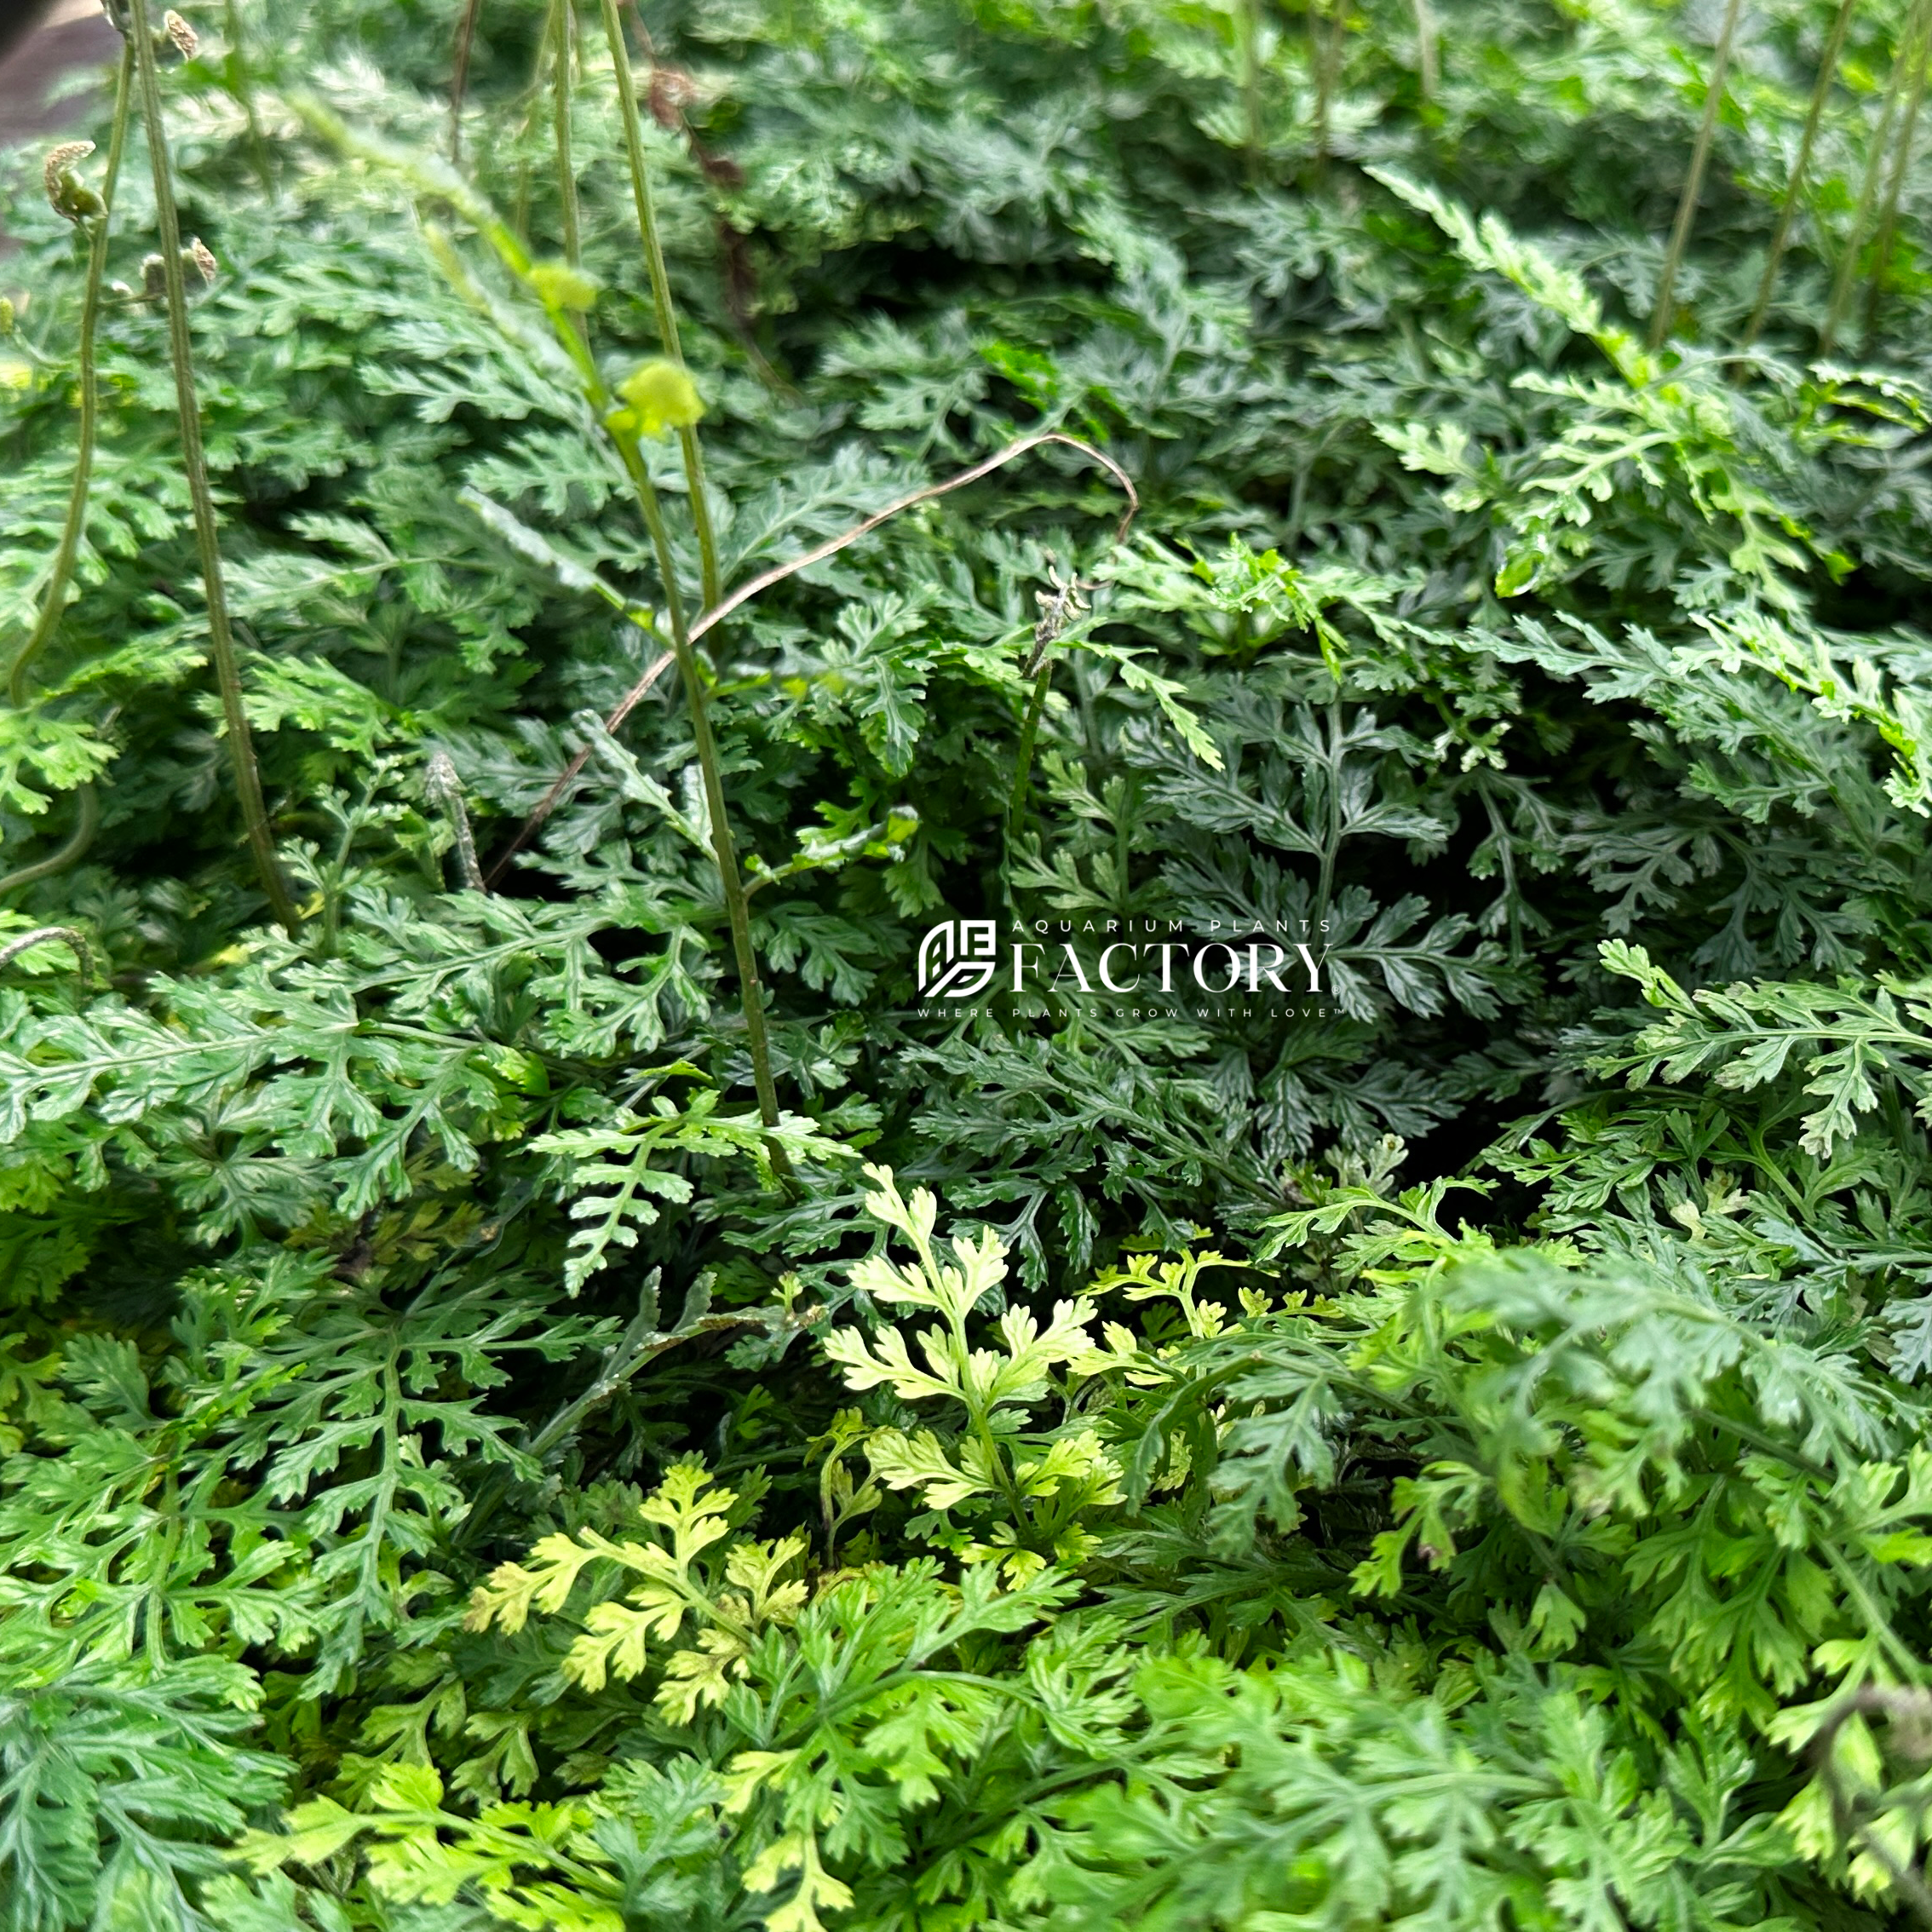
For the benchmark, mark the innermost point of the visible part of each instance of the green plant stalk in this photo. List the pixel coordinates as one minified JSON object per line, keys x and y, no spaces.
{"x":53,"y":606}
{"x":1331,"y":845}
{"x":1693,"y":181}
{"x":560,"y":123}
{"x":1794,"y":183}
{"x":1318,"y":56}
{"x":1868,"y":191}
{"x":1023,"y":752}
{"x":1901,"y":161}
{"x":730,"y":878}
{"x":712,"y":587}
{"x":598,"y":396}
{"x":737,"y":909}
{"x":244,"y":92}
{"x":194,"y":464}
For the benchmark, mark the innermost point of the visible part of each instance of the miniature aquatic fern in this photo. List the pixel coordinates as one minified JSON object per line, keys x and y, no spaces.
{"x":695,"y":1568}
{"x":1029,"y":1490}
{"x":1548,"y":1543}
{"x":619,"y":1172}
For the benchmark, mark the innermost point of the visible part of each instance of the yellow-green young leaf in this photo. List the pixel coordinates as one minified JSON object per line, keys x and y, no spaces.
{"x":616,"y":1638}
{"x":892,"y":1364}
{"x":921,"y":1461}
{"x":818,"y":1890}
{"x":750,"y":1772}
{"x":315,"y":1832}
{"x":757,"y":1567}
{"x":687,"y":1506}
{"x":662,"y":396}
{"x":512,"y":1589}
{"x":701,"y":1676}
{"x":1078,"y":1463}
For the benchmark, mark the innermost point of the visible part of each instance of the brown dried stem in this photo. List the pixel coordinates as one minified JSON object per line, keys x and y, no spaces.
{"x":831,"y":547}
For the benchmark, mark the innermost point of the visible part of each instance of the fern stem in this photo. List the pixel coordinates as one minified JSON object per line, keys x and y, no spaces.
{"x":560,"y":125}
{"x":1901,"y":161}
{"x":1023,"y":752}
{"x":736,"y":909}
{"x":87,"y":822}
{"x":55,"y":605}
{"x":74,"y":941}
{"x":194,"y":465}
{"x":661,"y":298}
{"x":731,"y":880}
{"x":1693,"y":181}
{"x":1794,"y":182}
{"x":459,"y":79}
{"x":1868,"y":188}
{"x":831,"y":547}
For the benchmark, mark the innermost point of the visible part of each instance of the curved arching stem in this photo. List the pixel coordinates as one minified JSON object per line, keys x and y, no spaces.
{"x":54,"y":604}
{"x":87,"y":822}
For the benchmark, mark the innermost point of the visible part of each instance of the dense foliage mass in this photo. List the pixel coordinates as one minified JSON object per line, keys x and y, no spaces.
{"x":502,"y":1428}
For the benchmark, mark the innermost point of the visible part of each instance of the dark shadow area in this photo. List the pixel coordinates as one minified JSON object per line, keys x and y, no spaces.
{"x":42,"y":42}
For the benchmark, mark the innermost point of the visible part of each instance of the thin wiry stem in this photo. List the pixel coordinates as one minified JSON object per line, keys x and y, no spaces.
{"x":731,"y":879}
{"x":54,"y":604}
{"x":661,"y":296}
{"x":1901,"y":162}
{"x":560,"y":123}
{"x":1023,"y":752}
{"x":43,"y":935}
{"x":1868,"y":189}
{"x":1320,"y":53}
{"x":1794,"y":183}
{"x":194,"y":464}
{"x":1693,"y":181}
{"x":459,"y":80}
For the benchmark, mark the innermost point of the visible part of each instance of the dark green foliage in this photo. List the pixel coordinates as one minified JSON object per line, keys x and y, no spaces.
{"x":465,"y":1468}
